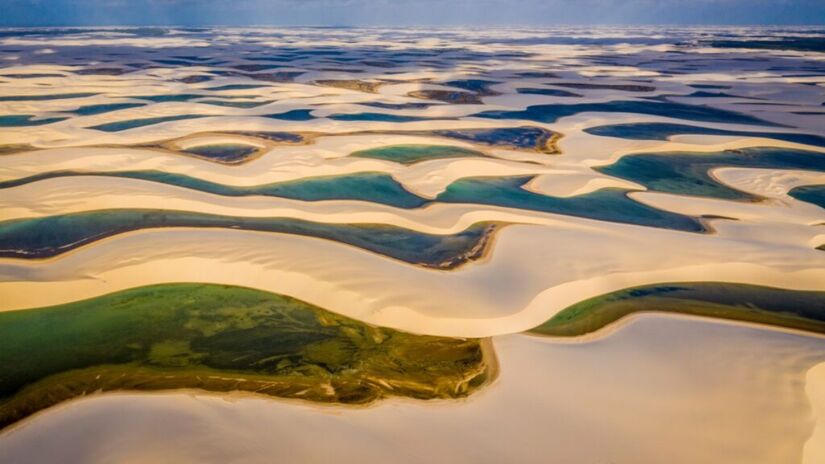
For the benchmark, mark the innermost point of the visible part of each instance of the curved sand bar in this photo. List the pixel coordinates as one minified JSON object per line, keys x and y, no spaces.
{"x":501,"y":294}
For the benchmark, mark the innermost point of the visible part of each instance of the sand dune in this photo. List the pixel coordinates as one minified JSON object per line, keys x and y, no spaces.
{"x":814,"y":450}
{"x":502,"y":294}
{"x":652,"y":389}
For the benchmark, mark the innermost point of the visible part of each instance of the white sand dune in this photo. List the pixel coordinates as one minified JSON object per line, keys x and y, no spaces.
{"x":426,"y":178}
{"x":771,"y":243}
{"x":769,"y":183}
{"x":814,"y":450}
{"x":659,"y":389}
{"x":782,"y":211}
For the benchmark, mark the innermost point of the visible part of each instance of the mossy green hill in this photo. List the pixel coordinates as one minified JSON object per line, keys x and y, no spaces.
{"x":220,"y":338}
{"x":749,"y":303}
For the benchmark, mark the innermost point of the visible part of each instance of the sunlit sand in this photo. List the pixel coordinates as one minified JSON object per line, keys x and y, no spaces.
{"x":475,"y":185}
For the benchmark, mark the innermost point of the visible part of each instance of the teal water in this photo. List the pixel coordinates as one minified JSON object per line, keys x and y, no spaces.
{"x":181,"y":97}
{"x":173,"y":62}
{"x":53,"y":235}
{"x":595,"y":86}
{"x":478,"y":86}
{"x":374,"y":187}
{"x":811,"y":193}
{"x":812,"y":44}
{"x":687,"y":173}
{"x":606,"y":204}
{"x":662,"y":131}
{"x":118,"y":126}
{"x":89,"y":110}
{"x":22,"y":120}
{"x":551,"y":113}
{"x":709,"y":86}
{"x":234,"y":104}
{"x":31,"y":75}
{"x":292,"y":115}
{"x":59,"y":96}
{"x":236,"y":87}
{"x":383,"y":117}
{"x":399,"y":106}
{"x":548,"y":92}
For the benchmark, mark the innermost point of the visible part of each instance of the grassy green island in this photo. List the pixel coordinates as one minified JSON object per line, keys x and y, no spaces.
{"x":222,"y":339}
{"x":763,"y":305}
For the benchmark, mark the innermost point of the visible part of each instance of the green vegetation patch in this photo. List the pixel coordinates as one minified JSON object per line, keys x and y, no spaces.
{"x":221,"y":339}
{"x":764,"y":305}
{"x":410,"y":154}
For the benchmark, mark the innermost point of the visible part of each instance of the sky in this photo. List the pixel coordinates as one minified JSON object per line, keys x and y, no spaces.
{"x":407,"y":12}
